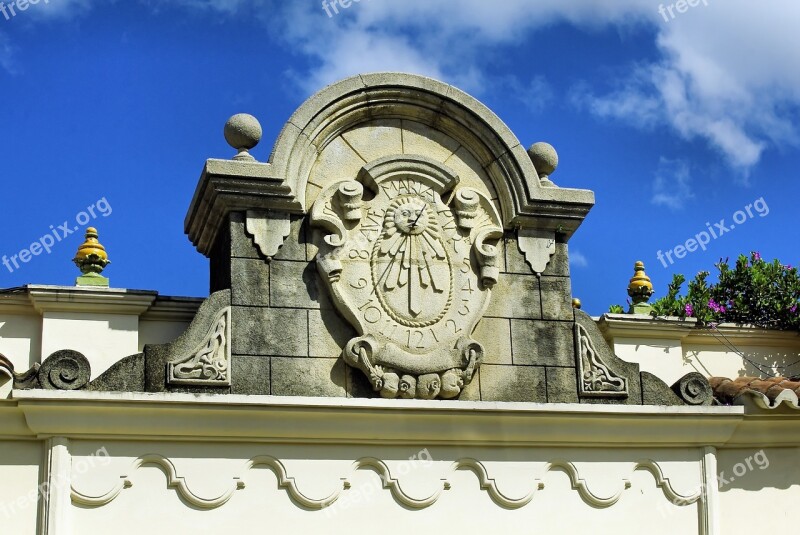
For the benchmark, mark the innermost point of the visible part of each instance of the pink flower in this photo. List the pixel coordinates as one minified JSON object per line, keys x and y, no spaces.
{"x":689,"y":309}
{"x":793,"y":309}
{"x":756,"y":256}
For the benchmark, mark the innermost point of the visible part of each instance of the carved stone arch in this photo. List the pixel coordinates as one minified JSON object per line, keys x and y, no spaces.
{"x":284,"y":183}
{"x":523,"y":201}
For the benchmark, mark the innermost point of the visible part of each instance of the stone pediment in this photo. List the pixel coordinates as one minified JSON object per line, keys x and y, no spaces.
{"x":400,"y":242}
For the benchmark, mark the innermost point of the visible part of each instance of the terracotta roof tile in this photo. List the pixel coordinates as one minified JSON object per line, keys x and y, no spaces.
{"x":767,"y":393}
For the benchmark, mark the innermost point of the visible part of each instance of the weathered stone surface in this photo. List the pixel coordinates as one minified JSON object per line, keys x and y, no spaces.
{"x":65,"y":370}
{"x":515,"y":296}
{"x":250,"y":375}
{"x":358,"y":386}
{"x":308,"y":377}
{"x":515,"y":259}
{"x":296,"y":285}
{"x":127,"y":375}
{"x":556,"y":298}
{"x":422,"y":139}
{"x":241,"y":245}
{"x":543,"y":343}
{"x":495,"y":336}
{"x":472,"y":391}
{"x":294,"y":247}
{"x":694,"y":389}
{"x":270,"y":331}
{"x":559,"y":262}
{"x":157,"y":357}
{"x":376,"y":139}
{"x":328,"y":333}
{"x":513,"y":383}
{"x":655,"y":392}
{"x":249,"y":282}
{"x":616,"y":368}
{"x":562,"y":385}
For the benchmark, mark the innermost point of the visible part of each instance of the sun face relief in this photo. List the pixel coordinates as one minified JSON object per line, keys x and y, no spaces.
{"x":411,"y":272}
{"x":410,"y":267}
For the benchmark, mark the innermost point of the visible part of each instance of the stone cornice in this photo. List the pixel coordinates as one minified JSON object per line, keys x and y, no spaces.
{"x":141,"y":416}
{"x":234,"y":186}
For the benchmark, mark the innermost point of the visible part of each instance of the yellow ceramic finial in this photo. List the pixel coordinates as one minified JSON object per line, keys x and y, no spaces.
{"x":640,"y":289}
{"x":91,"y":259}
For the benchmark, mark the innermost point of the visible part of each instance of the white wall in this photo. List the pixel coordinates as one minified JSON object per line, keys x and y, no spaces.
{"x":19,"y":482}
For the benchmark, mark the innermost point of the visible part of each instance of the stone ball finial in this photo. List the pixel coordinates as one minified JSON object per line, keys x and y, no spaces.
{"x":243,"y":132}
{"x":545,"y":160}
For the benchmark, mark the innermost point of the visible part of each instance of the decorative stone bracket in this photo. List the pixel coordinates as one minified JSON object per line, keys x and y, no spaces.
{"x":210,"y":363}
{"x":538,"y":246}
{"x":268,"y":229}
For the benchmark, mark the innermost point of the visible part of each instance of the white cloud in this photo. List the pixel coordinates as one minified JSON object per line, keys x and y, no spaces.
{"x":578,"y":259}
{"x":672,"y":185}
{"x":728,"y":75}
{"x":727,"y":72}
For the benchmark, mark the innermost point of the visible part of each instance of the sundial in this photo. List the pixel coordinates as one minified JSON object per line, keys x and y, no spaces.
{"x":410,"y":261}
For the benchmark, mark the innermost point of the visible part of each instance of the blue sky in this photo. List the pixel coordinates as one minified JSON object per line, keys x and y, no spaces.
{"x":674,"y":122}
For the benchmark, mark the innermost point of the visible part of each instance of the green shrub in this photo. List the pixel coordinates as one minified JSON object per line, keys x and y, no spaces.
{"x":753,"y":292}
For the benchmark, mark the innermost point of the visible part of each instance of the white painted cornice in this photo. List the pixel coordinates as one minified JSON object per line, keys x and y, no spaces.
{"x":645,"y":326}
{"x":172,"y":309}
{"x":103,"y":415}
{"x":90,"y":300}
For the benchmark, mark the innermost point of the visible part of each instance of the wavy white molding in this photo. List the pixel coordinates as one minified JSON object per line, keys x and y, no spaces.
{"x":287,"y":483}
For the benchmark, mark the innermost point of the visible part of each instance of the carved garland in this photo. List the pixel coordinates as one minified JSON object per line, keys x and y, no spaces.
{"x":390,"y":482}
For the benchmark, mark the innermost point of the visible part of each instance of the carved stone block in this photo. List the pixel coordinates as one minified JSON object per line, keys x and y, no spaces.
{"x":494,"y":334}
{"x":308,"y":377}
{"x":270,"y":331}
{"x":513,"y":383}
{"x":556,"y":298}
{"x":543,"y":343}
{"x":296,"y":285}
{"x":250,"y":282}
{"x":250,"y":375}
{"x":515,"y":296}
{"x":562,"y":385}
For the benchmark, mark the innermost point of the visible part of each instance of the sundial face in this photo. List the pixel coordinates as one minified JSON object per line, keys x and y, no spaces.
{"x":404,"y":270}
{"x":410,"y":264}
